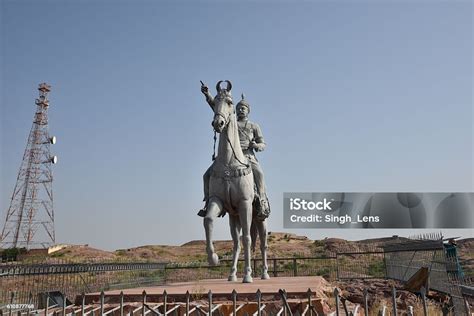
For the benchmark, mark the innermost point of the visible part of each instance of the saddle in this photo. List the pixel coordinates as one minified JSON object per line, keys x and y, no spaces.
{"x":260,"y":206}
{"x":231,"y":173}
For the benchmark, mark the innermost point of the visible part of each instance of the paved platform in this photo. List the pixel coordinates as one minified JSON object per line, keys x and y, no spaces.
{"x":296,"y":287}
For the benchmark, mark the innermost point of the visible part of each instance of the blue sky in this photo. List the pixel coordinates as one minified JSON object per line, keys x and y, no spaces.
{"x":351,"y":96}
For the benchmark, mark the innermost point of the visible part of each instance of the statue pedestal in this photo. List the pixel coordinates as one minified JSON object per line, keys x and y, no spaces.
{"x":296,"y":288}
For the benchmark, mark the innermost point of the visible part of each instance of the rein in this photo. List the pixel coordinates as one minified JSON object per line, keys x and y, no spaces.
{"x":233,"y":151}
{"x":215,"y":139}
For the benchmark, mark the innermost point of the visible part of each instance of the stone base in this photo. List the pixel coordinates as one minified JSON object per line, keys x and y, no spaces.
{"x":295,"y":287}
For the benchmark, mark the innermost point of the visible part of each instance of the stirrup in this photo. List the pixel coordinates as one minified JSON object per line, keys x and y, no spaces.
{"x":203,"y":212}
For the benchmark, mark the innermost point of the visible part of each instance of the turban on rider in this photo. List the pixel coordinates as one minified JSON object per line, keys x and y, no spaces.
{"x":243,"y":102}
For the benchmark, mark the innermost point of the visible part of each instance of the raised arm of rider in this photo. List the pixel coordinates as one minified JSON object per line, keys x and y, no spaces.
{"x":209,"y":98}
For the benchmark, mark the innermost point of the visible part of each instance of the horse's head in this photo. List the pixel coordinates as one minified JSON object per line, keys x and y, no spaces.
{"x":223,"y":107}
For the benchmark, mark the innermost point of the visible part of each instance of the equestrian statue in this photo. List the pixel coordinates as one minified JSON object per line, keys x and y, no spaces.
{"x":234,"y":183}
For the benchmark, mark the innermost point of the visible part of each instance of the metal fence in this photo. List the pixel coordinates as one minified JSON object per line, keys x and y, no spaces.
{"x":404,"y":260}
{"x":360,"y":265}
{"x":396,"y":260}
{"x":29,"y":282}
{"x":277,"y":267}
{"x":72,"y":279}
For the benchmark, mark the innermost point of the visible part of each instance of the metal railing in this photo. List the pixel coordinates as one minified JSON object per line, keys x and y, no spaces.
{"x":72,"y":279}
{"x":256,"y":306}
{"x":399,"y":261}
{"x":277,"y":267}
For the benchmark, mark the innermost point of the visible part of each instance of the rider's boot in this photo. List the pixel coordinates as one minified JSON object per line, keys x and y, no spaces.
{"x":203,"y":212}
{"x":262,"y":206}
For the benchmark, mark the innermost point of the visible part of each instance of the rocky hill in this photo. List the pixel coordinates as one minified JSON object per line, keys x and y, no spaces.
{"x":280,"y":245}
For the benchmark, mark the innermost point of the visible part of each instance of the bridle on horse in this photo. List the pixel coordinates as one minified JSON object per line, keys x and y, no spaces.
{"x":226,"y":122}
{"x":215,"y":132}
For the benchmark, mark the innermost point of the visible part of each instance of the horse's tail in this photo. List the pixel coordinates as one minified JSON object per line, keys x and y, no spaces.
{"x":253,"y":235}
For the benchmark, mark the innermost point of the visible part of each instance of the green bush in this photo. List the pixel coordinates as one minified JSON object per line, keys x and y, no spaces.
{"x":58,"y":254}
{"x":319,"y":243}
{"x":120,"y":252}
{"x":11,"y":254}
{"x":324,"y":272}
{"x":376,"y":269}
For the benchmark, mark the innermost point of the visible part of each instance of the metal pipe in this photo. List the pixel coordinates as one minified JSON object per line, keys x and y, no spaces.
{"x":47,"y":305}
{"x":394,"y":300}
{"x":343,"y":300}
{"x":285,"y":302}
{"x":143,"y":302}
{"x":209,"y":297}
{"x":366,"y":302}
{"x":102,"y":299}
{"x":423,"y":298}
{"x":259,"y":302}
{"x":336,"y":297}
{"x":63,"y":308}
{"x":165,"y":301}
{"x":187,"y":303}
{"x":234,"y":302}
{"x":83,"y":303}
{"x":309,"y":303}
{"x":121,"y":303}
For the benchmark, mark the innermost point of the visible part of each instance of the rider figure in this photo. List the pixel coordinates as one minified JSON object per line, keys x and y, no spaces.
{"x":251,"y":140}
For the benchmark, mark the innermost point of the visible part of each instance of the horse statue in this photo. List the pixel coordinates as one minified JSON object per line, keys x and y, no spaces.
{"x":231,"y":190}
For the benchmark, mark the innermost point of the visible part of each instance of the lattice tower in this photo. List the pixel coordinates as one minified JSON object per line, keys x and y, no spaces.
{"x":29,"y":220}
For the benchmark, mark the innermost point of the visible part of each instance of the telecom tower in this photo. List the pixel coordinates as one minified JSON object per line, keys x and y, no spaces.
{"x":30,"y":218}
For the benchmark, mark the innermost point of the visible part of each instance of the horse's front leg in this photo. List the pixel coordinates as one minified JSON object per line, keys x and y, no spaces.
{"x":213,"y":210}
{"x":245,"y":214}
{"x":235,"y":228}
{"x":262,"y":233}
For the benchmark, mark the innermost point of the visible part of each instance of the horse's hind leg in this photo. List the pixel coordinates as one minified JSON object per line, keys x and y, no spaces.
{"x":213,"y":210}
{"x":262,"y":233}
{"x":235,"y":232}
{"x":253,"y":235}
